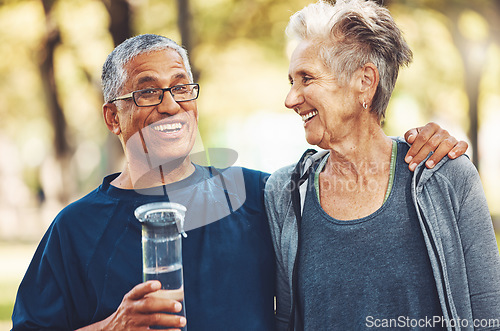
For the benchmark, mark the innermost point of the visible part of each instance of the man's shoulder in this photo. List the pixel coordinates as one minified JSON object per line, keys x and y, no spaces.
{"x":251,"y":174}
{"x":252,"y":179}
{"x":240,"y":187}
{"x":87,"y":207}
{"x":254,"y":172}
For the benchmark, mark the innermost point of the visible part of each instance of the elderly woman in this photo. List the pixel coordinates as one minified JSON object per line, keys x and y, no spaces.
{"x":360,"y":240}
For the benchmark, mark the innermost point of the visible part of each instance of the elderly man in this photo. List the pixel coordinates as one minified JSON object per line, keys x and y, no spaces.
{"x":87,"y":270}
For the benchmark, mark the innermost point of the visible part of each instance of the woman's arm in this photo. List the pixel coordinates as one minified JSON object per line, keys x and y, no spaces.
{"x":482,"y":259}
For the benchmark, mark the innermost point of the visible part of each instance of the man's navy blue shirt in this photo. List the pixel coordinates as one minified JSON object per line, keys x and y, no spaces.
{"x":91,"y":256}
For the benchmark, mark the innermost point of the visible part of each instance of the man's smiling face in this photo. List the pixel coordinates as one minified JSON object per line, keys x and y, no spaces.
{"x":167,"y":131}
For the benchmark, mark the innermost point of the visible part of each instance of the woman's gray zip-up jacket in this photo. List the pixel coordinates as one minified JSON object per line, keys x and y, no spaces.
{"x":458,"y":232}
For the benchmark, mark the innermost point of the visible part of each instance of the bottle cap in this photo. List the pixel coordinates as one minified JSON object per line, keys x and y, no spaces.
{"x":162,"y":213}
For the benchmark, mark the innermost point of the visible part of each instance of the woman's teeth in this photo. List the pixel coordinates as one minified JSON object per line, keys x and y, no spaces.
{"x":309,"y":115}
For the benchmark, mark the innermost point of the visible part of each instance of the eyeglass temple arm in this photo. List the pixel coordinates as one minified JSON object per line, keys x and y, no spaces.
{"x":123,"y":97}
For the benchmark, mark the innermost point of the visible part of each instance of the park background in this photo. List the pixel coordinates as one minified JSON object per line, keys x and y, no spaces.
{"x":54,"y":146}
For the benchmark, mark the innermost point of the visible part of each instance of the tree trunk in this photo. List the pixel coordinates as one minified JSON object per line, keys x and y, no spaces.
{"x":120,"y":28}
{"x":185,"y":28}
{"x":120,"y":15}
{"x":46,"y":65}
{"x":62,"y":149}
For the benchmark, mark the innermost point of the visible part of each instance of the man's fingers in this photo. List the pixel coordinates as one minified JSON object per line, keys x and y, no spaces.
{"x":425,"y":142}
{"x":444,"y":147}
{"x":140,"y":290}
{"x":459,"y":149}
{"x":411,"y":134}
{"x":424,"y":134}
{"x":167,"y":320}
{"x":156,"y":319}
{"x":432,"y":138}
{"x":146,"y":305}
{"x":153,"y":303}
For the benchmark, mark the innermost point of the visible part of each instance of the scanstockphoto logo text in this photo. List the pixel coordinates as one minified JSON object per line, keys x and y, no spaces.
{"x":430,"y":322}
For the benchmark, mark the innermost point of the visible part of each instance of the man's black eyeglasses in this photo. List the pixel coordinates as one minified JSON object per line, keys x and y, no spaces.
{"x":154,"y":96}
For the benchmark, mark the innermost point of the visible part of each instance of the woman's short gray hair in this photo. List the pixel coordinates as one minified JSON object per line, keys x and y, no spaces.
{"x":351,"y":33}
{"x":114,"y":74}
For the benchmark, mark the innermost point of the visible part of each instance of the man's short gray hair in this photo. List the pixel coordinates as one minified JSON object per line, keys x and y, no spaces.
{"x":114,"y":74}
{"x":351,"y":33}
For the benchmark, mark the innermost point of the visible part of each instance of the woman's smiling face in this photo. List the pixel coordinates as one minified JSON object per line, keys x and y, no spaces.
{"x":325,"y":106}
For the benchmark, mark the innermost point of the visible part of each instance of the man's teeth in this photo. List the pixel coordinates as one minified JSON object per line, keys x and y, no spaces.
{"x":309,"y":115}
{"x":168,"y":127}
